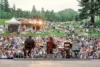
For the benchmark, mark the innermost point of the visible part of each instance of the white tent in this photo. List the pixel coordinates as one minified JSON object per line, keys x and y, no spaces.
{"x":13,"y":25}
{"x":13,"y":21}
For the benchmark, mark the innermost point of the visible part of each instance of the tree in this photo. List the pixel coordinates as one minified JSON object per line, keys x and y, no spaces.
{"x":64,"y":15}
{"x":14,"y":7}
{"x":77,"y":18}
{"x":6,"y":6}
{"x":1,"y":14}
{"x":1,"y":4}
{"x":90,"y":8}
{"x":13,"y":10}
{"x":42,"y":13}
{"x":46,"y":14}
{"x":26,"y":14}
{"x":52,"y":16}
{"x":19,"y":13}
{"x":33,"y":12}
{"x":67,"y":15}
{"x":57,"y":17}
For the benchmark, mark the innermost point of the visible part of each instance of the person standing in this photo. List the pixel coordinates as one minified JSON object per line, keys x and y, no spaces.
{"x":50,"y":46}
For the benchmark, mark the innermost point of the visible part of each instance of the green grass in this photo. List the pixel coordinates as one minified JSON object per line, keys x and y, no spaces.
{"x":5,"y":34}
{"x":2,"y":21}
{"x":53,"y":32}
{"x":94,"y":33}
{"x":42,"y":34}
{"x":59,"y":34}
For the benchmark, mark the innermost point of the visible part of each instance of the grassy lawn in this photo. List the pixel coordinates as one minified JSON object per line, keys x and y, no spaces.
{"x":91,"y":32}
{"x":5,"y":34}
{"x":94,"y":33}
{"x":2,"y":21}
{"x":55,"y":32}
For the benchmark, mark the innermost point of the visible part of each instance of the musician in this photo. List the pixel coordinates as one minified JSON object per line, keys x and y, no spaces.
{"x":29,"y":45}
{"x":50,"y":45}
{"x":67,"y":46}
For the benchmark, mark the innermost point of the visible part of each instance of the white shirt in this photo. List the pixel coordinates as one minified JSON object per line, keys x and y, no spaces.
{"x":3,"y":56}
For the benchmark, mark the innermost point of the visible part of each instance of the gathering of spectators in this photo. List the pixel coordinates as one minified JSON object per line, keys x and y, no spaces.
{"x":83,"y":47}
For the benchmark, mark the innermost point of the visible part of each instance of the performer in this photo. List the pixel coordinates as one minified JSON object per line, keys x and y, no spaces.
{"x":67,"y":46}
{"x":29,"y":45}
{"x":50,"y":46}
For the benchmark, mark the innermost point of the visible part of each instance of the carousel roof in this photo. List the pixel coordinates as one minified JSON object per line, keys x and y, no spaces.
{"x":13,"y":21}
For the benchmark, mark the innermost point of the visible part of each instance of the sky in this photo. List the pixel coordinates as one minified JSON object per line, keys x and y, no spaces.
{"x":55,"y":5}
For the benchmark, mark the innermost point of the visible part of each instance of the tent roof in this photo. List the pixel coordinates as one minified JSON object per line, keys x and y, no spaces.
{"x":25,"y":21}
{"x":13,"y":21}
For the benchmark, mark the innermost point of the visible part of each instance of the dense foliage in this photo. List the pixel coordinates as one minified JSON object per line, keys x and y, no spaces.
{"x":64,"y":15}
{"x":90,"y":9}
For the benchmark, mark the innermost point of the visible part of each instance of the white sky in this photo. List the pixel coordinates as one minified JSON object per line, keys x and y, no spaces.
{"x":56,"y":5}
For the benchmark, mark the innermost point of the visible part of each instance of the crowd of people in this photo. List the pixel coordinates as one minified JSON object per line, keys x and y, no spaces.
{"x":69,"y":46}
{"x":83,"y":47}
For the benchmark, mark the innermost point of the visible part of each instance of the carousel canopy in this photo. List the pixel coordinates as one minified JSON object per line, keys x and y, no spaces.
{"x":13,"y":21}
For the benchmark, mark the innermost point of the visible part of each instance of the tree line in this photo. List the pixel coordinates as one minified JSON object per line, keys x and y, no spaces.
{"x":90,"y":9}
{"x":65,"y":15}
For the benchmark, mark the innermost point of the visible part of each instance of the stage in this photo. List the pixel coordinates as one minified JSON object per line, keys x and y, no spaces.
{"x":49,"y":63}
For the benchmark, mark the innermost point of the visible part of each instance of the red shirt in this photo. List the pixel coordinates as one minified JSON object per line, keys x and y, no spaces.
{"x":50,"y":44}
